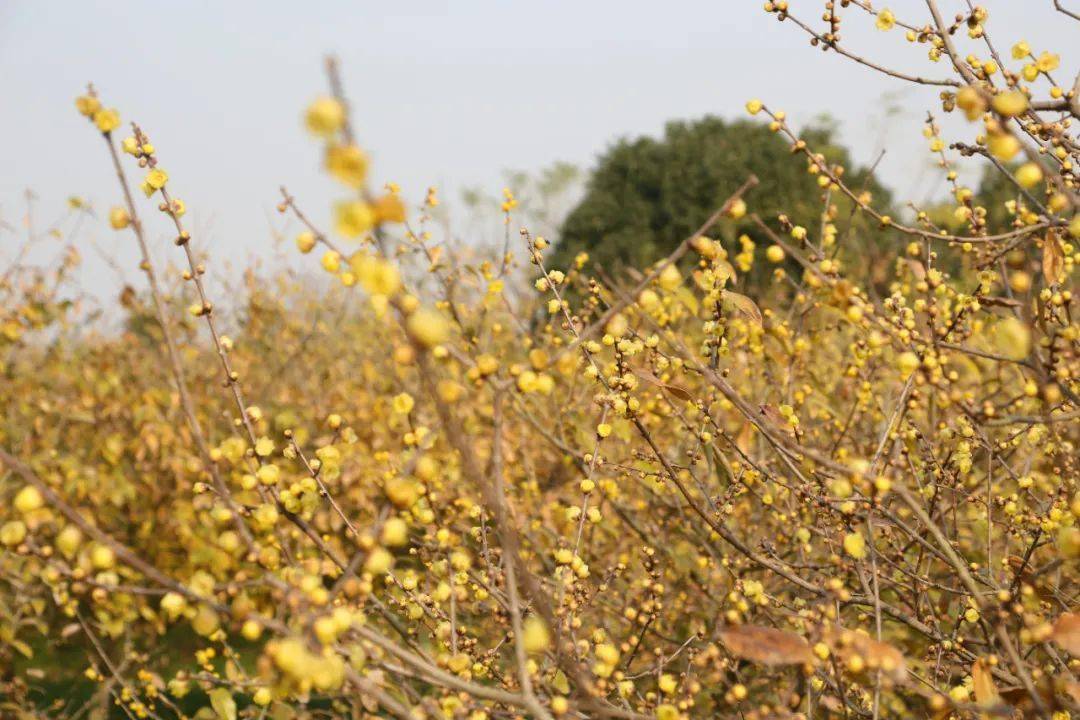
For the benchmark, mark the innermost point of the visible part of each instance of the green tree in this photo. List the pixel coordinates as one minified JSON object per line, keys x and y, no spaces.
{"x":646,"y":195}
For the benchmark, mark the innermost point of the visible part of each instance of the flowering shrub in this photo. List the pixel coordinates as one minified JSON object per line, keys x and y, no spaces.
{"x":666,"y":494}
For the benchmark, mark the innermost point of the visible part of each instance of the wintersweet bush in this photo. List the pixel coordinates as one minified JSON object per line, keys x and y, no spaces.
{"x":477,"y":485}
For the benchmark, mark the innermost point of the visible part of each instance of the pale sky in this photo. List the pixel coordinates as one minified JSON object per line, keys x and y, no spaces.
{"x":444,"y":93}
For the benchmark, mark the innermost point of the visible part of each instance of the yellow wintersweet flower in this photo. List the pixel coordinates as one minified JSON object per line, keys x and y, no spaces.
{"x":87,"y":105}
{"x":737,"y":209}
{"x":119,"y":218}
{"x":885,"y":20}
{"x":28,"y":500}
{"x":107,"y":120}
{"x":331,"y":261}
{"x":535,"y":635}
{"x":907,"y":363}
{"x":607,"y":653}
{"x":855,"y":545}
{"x":155,"y":180}
{"x":487,"y":364}
{"x":102,"y":557}
{"x":378,"y":276}
{"x":1021,"y":50}
{"x":1010,"y":104}
{"x":348,"y":164}
{"x":971,"y":102}
{"x":353,"y":218}
{"x":389,"y":208}
{"x":403,"y":403}
{"x":12,"y":533}
{"x":264,"y":446}
{"x":667,"y":711}
{"x":427,"y":327}
{"x":753,"y":106}
{"x":379,"y":562}
{"x":527,"y":381}
{"x":325,"y":116}
{"x":1048,"y":62}
{"x":268,"y":474}
{"x":1003,"y":146}
{"x":305,"y":241}
{"x":670,"y":277}
{"x":395,"y":532}
{"x":68,"y":541}
{"x":1029,"y":175}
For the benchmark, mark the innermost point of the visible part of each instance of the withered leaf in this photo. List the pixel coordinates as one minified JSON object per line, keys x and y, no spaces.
{"x":998,"y":301}
{"x":745,"y":439}
{"x":744,"y":305}
{"x":766,"y":645}
{"x":224,"y":705}
{"x":675,"y":390}
{"x":877,"y":655}
{"x":1053,"y":261}
{"x":1019,"y":698}
{"x":1066,"y":633}
{"x":917,"y":268}
{"x":982,"y":683}
{"x":831,"y":703}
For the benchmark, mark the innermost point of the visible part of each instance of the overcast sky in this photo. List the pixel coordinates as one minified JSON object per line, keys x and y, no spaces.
{"x":444,"y":93}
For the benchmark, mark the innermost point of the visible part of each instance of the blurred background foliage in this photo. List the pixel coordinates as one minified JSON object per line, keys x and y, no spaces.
{"x":646,"y":195}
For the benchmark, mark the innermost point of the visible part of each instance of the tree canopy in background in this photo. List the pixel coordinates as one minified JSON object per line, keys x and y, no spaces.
{"x":645,"y":195}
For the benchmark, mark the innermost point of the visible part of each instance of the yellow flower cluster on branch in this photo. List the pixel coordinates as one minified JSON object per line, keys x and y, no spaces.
{"x":843,"y":484}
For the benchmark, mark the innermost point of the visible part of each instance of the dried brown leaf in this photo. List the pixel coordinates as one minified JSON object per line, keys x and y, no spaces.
{"x":744,"y":305}
{"x":745,"y":439}
{"x":680,"y":393}
{"x":982,"y":683}
{"x":998,"y":301}
{"x":1066,"y":633}
{"x":1053,"y":262}
{"x":917,"y":268}
{"x":766,"y":645}
{"x":831,"y":703}
{"x":877,"y":655}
